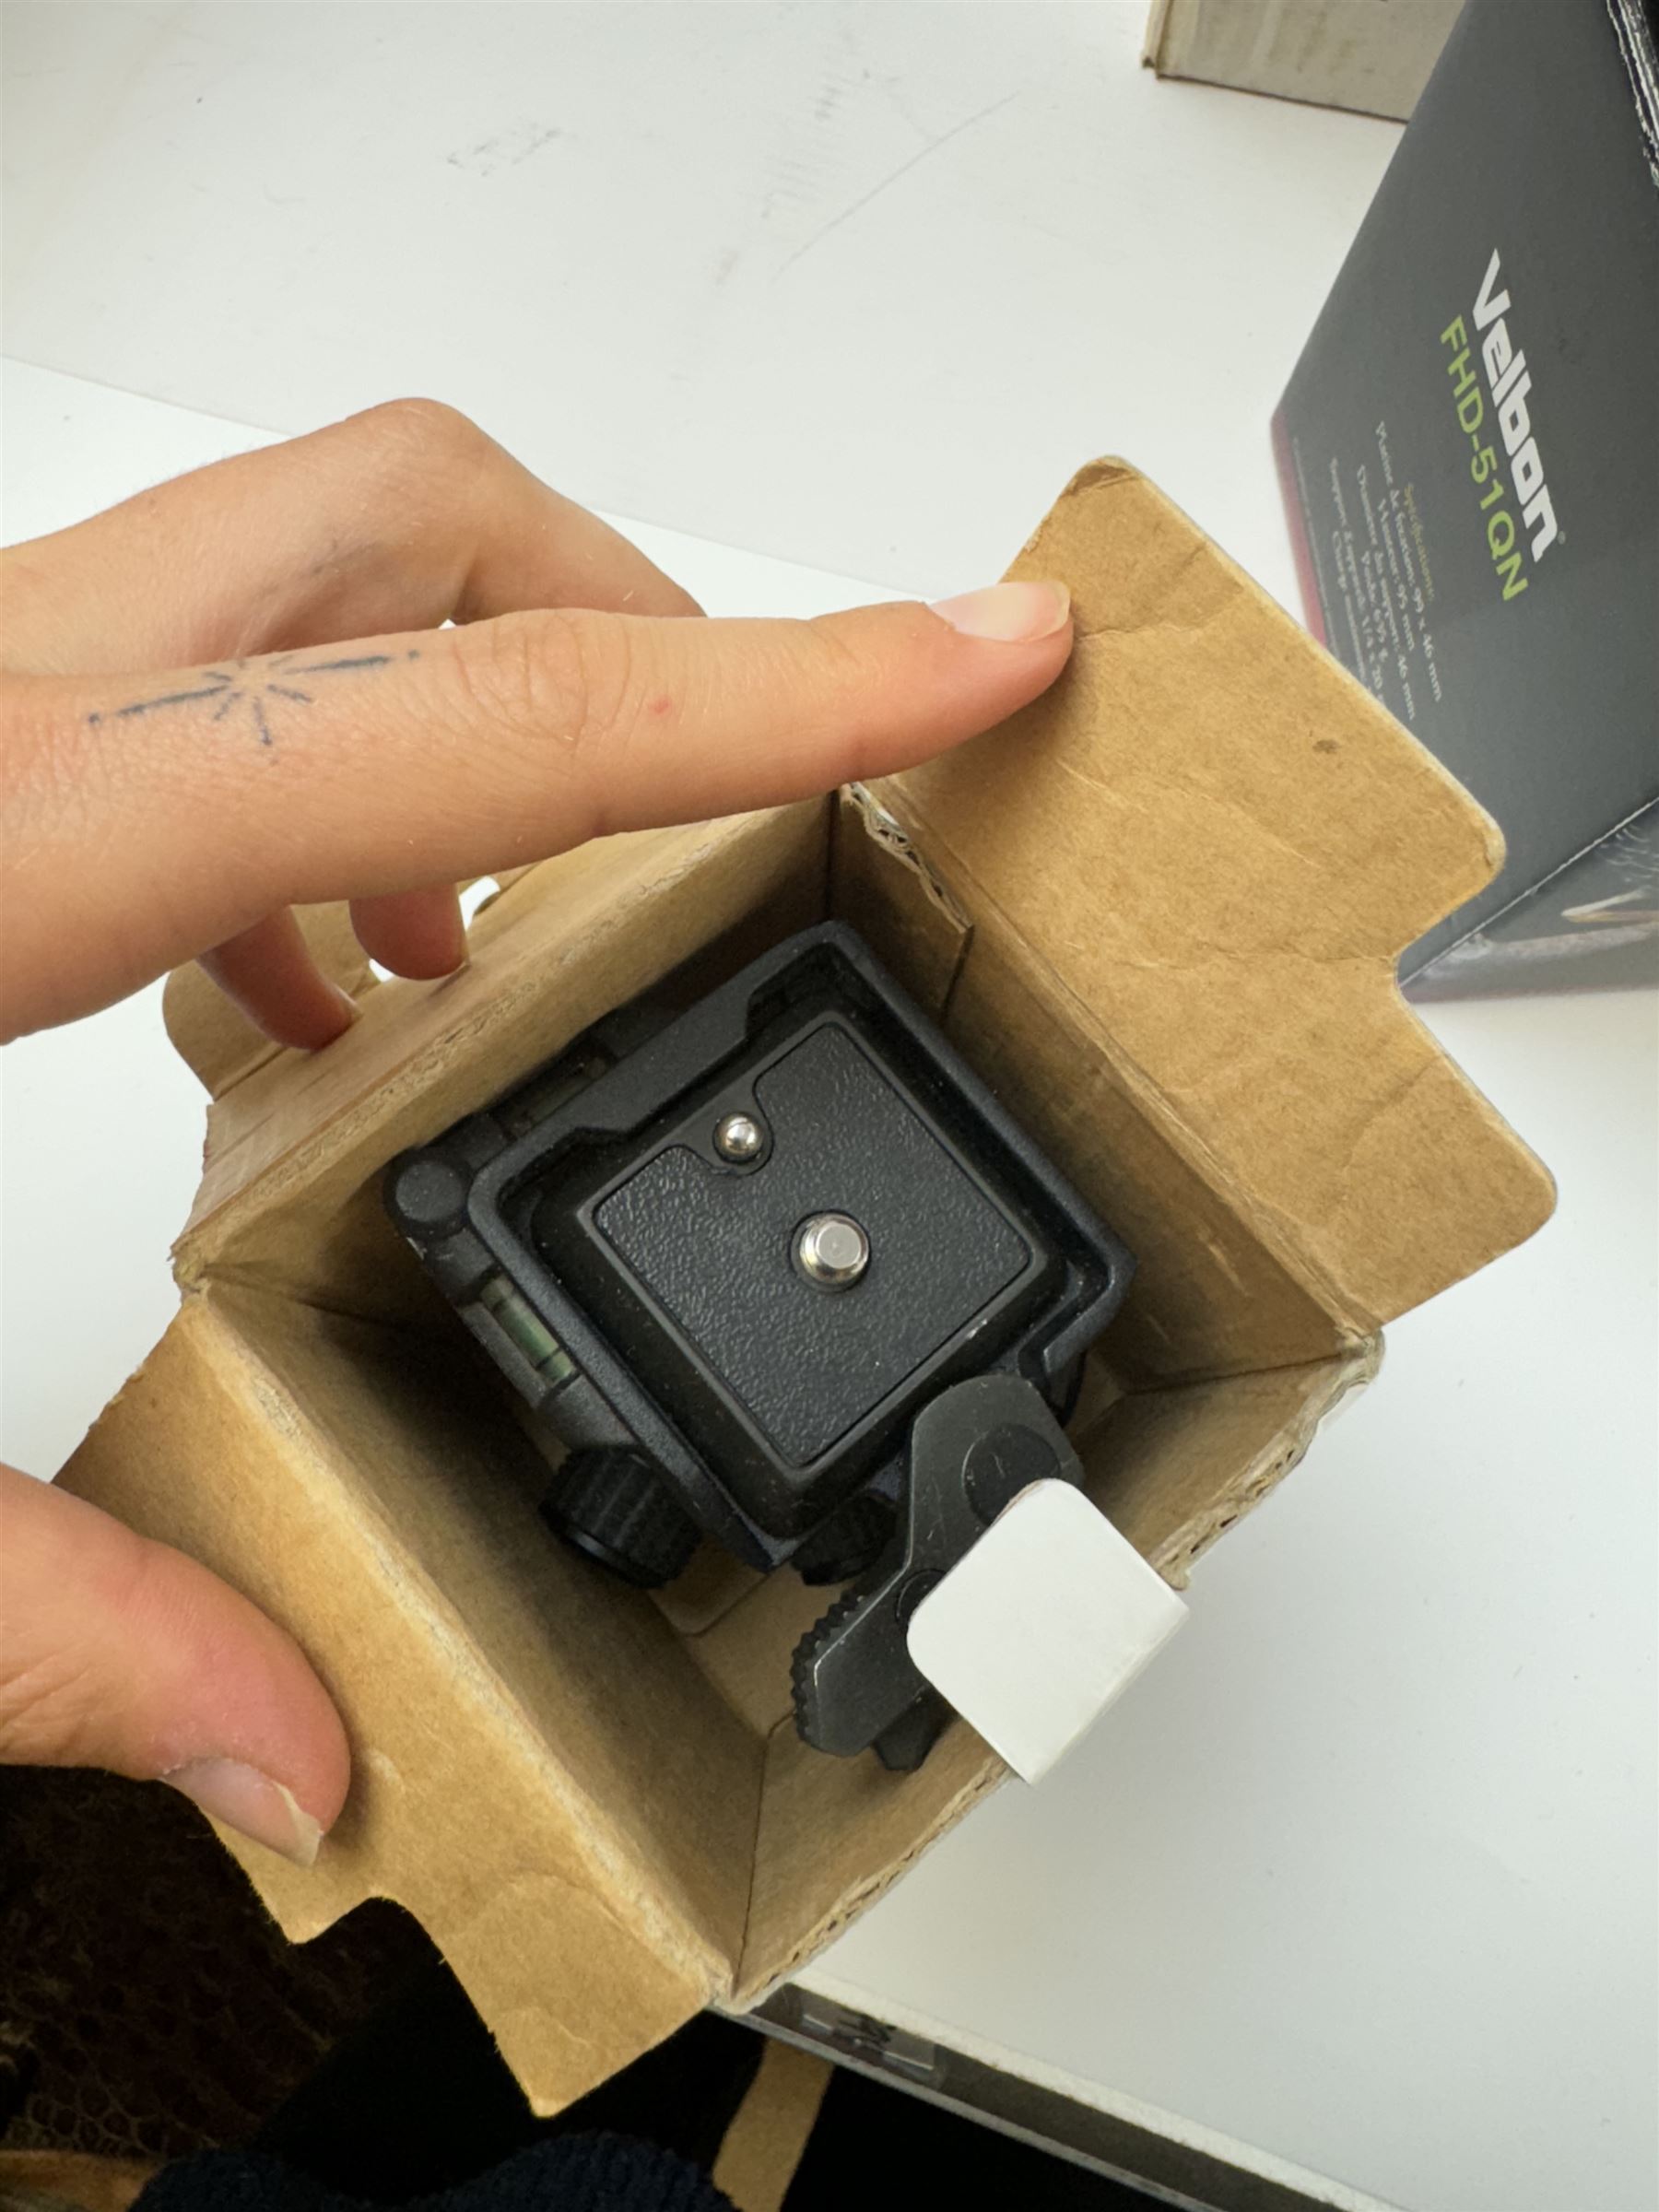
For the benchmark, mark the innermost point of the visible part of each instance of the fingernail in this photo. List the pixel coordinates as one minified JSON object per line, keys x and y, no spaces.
{"x":1016,"y":614}
{"x":240,"y":1795}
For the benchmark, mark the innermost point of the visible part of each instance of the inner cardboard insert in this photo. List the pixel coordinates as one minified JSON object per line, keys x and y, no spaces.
{"x":672,"y":1715}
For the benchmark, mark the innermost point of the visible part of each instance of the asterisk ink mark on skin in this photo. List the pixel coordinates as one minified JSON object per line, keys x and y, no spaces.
{"x":243,"y":689}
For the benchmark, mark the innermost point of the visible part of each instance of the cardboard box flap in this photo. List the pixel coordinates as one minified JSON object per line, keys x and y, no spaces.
{"x":584,"y":1873}
{"x":1159,"y":910}
{"x":1219,"y":854}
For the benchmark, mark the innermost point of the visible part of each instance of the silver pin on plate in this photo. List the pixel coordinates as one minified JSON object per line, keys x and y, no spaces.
{"x":739,"y":1137}
{"x":833,"y":1250}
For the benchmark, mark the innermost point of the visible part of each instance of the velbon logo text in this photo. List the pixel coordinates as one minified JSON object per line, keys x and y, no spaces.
{"x":1509,"y":382}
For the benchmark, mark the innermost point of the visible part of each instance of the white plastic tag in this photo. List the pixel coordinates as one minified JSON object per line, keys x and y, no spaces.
{"x":1042,"y":1624}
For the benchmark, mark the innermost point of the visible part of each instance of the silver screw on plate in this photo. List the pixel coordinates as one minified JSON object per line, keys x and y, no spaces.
{"x":739,"y":1137}
{"x":833,"y":1250}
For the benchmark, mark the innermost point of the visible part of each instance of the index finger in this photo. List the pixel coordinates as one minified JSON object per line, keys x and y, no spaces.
{"x":204,"y":800}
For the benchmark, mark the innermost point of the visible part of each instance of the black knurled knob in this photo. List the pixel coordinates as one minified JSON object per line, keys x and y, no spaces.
{"x":612,"y":1504}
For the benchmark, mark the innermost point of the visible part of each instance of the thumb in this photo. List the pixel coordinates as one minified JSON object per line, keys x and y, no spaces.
{"x":121,"y":1653}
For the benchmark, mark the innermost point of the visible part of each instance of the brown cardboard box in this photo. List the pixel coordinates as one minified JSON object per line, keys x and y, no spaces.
{"x":1159,"y":911}
{"x":1373,"y":56}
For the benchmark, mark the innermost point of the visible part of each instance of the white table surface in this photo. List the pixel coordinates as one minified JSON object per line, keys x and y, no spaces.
{"x":1361,"y":1877}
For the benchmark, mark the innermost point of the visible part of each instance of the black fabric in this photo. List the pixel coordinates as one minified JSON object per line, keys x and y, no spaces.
{"x":682,"y":2096}
{"x":418,"y":2099}
{"x":572,"y":2174}
{"x":417,"y":2111}
{"x":413,"y":2100}
{"x":880,"y":2150}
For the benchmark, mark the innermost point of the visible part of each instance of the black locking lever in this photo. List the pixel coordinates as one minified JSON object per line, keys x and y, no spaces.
{"x":970,"y":1453}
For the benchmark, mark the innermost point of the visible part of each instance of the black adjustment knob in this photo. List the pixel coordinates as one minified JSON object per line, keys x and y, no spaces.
{"x":612,"y":1504}
{"x":852,"y":1539}
{"x":427,"y":1195}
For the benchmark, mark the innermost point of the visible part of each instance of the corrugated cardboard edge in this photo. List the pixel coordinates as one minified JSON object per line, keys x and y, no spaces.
{"x":1312,"y":1395}
{"x":924,"y":936}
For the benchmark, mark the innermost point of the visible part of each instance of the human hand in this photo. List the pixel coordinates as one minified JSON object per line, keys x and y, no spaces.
{"x":230,"y":696}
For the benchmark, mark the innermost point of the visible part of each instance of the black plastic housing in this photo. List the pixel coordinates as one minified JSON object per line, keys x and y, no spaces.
{"x":639,"y":1288}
